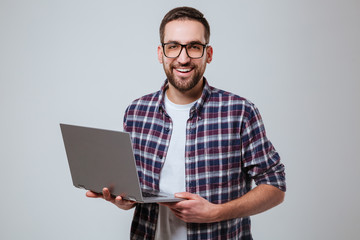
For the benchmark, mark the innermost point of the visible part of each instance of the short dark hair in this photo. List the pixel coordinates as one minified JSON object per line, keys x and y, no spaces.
{"x":184,"y":13}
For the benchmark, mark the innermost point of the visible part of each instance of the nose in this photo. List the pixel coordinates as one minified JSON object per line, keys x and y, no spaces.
{"x":183,"y":57}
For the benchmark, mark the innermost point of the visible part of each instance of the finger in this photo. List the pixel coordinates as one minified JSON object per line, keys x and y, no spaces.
{"x":92,"y":194}
{"x":107,"y":195}
{"x":186,"y":195}
{"x":123,"y":204}
{"x":118,"y":199}
{"x":121,"y":201}
{"x":176,"y":211}
{"x":167,"y":204}
{"x":179,"y":215}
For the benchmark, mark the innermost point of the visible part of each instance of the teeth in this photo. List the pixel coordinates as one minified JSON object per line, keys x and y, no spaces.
{"x":183,"y":70}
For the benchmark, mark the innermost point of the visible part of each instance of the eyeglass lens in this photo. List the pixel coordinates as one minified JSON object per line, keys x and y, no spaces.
{"x":194,"y":50}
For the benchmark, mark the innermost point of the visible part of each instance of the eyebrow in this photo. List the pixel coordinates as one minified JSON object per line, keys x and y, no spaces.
{"x":192,"y":42}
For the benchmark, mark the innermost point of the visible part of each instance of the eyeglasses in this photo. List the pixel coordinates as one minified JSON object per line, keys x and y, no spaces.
{"x":193,"y":50}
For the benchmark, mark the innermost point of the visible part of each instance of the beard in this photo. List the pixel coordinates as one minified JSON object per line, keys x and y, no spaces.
{"x":183,"y":84}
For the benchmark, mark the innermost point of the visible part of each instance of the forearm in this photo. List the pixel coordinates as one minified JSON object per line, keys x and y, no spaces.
{"x":259,"y":199}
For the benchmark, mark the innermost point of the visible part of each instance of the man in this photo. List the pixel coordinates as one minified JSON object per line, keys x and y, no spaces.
{"x":201,"y":143}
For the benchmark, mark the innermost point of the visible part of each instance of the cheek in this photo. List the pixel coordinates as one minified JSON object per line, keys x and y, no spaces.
{"x":203,"y":63}
{"x":167,"y":62}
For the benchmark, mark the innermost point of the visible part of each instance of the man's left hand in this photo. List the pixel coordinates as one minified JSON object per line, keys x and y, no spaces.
{"x":195,"y":209}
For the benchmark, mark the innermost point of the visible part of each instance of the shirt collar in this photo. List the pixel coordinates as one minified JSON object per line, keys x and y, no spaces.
{"x":197,"y":106}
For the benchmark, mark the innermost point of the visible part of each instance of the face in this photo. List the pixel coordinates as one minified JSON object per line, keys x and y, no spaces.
{"x":183,"y":72}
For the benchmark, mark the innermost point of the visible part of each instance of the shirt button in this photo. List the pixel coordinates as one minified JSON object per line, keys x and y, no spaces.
{"x":167,"y":130}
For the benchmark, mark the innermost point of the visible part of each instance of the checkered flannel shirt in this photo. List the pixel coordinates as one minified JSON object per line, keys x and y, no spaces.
{"x":226,"y":149}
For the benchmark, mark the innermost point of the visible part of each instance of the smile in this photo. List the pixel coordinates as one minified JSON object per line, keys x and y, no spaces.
{"x":183,"y":70}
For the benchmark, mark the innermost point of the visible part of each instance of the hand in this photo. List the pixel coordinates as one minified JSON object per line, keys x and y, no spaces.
{"x":195,"y":210}
{"x":118,"y":201}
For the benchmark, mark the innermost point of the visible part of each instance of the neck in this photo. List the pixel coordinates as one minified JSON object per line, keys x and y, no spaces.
{"x":179,"y":97}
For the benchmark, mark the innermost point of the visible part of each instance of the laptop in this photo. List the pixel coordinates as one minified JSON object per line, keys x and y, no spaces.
{"x":101,"y":158}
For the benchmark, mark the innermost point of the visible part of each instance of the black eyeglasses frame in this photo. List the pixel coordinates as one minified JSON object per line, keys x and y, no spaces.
{"x":184,"y":46}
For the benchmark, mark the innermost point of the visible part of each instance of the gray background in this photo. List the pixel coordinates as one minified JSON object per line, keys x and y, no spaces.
{"x":83,"y":62}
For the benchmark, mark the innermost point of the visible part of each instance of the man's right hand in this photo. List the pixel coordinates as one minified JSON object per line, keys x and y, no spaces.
{"x":118,"y":201}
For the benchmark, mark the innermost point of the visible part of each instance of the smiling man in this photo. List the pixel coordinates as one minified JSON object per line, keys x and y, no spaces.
{"x":184,"y":69}
{"x":203,"y":144}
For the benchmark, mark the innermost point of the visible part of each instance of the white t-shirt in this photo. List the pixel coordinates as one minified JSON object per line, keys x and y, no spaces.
{"x":172,"y":176}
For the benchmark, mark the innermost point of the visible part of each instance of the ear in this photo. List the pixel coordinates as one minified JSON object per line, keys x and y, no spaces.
{"x":160,"y":54}
{"x":209,"y":54}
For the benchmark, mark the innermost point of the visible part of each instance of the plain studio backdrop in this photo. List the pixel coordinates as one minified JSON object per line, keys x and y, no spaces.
{"x":83,"y":62}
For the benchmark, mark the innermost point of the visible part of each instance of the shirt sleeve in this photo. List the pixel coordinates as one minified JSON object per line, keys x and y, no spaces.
{"x":260,"y":159}
{"x":125,"y":119}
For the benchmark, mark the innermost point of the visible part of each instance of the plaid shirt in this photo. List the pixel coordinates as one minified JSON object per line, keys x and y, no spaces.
{"x":226,"y":148}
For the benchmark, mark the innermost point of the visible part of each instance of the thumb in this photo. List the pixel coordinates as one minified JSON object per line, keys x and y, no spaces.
{"x":186,"y":195}
{"x":92,"y":194}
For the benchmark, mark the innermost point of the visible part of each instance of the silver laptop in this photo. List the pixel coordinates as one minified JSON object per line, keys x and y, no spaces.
{"x":102,"y":158}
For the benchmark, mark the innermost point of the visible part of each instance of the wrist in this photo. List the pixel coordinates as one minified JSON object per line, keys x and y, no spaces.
{"x":218,"y":213}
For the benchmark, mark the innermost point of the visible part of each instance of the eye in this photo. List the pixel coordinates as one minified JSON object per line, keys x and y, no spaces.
{"x":172,"y":46}
{"x":195,"y":46}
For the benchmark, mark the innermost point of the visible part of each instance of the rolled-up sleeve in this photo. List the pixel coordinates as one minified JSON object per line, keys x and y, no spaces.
{"x":260,"y":159}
